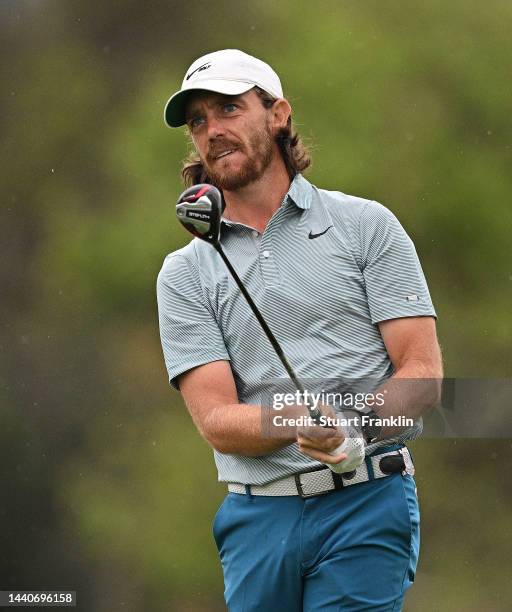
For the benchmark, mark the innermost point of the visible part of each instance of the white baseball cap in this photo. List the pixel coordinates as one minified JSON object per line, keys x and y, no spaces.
{"x":230,"y":72}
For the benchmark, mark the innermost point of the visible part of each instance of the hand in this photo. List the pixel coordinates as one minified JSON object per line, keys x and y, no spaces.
{"x":322,"y":443}
{"x":331,"y":446}
{"x":354,"y":450}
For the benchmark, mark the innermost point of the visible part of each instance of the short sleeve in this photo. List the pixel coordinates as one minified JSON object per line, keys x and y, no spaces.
{"x":395,"y":283}
{"x":189,"y":332}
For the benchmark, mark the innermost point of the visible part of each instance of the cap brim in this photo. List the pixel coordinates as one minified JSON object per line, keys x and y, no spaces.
{"x":174,"y":112}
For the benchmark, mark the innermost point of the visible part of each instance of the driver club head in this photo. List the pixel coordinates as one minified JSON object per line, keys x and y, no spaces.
{"x":199,"y":210}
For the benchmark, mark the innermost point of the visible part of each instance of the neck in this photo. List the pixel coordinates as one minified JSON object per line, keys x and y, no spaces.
{"x":255,"y":203}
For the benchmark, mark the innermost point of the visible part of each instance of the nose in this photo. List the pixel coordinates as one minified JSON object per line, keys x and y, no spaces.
{"x":214,"y":126}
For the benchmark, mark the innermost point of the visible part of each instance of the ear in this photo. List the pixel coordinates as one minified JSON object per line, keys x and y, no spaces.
{"x":281,"y":110}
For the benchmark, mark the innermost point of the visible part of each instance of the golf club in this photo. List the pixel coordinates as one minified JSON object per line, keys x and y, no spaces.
{"x":199,"y":210}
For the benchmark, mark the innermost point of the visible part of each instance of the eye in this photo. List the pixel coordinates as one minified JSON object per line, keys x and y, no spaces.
{"x":229,"y":107}
{"x":195,"y":122}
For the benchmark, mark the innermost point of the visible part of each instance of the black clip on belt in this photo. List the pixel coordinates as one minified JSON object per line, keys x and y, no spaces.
{"x":392,"y":464}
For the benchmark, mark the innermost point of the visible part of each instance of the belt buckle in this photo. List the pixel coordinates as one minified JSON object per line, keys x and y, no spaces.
{"x":300,"y":490}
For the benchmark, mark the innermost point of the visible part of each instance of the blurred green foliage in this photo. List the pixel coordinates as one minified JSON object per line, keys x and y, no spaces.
{"x":108,"y":488}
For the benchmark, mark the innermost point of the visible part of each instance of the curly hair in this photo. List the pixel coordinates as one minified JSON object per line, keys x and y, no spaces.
{"x":296,"y":155}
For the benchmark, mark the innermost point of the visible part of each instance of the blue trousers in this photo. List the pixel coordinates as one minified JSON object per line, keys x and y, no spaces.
{"x":355,"y":549}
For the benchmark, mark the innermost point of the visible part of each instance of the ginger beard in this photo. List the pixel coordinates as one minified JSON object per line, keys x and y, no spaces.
{"x":257,"y":155}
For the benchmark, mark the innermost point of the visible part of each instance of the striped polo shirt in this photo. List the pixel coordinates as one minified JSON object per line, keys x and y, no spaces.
{"x":325,"y":271}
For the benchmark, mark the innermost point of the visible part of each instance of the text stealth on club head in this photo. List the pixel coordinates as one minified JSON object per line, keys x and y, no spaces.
{"x":199,"y":210}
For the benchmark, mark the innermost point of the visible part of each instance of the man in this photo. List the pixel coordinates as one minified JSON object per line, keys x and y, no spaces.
{"x":339,"y":283}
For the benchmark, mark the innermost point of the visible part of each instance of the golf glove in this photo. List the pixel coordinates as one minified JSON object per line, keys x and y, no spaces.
{"x":354,"y":448}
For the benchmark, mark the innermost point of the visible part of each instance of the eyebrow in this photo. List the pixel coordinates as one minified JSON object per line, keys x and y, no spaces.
{"x":220,"y":99}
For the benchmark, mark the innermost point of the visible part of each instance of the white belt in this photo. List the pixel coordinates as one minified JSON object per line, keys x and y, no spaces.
{"x":323,"y":480}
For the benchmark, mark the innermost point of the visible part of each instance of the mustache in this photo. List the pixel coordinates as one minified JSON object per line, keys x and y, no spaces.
{"x":219,"y":146}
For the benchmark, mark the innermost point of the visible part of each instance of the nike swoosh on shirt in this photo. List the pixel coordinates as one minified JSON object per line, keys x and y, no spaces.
{"x":312,"y":236}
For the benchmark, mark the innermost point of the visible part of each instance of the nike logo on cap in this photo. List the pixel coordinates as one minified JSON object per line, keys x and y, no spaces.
{"x":312,"y":236}
{"x":202,"y":67}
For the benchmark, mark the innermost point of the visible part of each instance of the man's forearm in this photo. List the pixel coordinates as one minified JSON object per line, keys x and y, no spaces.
{"x":247,"y":429}
{"x":411,"y":392}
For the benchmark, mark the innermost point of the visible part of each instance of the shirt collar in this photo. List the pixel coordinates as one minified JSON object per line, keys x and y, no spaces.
{"x":299,"y":193}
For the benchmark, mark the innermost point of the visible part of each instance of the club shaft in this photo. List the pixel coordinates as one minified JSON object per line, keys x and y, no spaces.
{"x":314,"y":412}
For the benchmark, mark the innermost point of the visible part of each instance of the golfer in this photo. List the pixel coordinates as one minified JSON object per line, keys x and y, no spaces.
{"x":306,"y":524}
